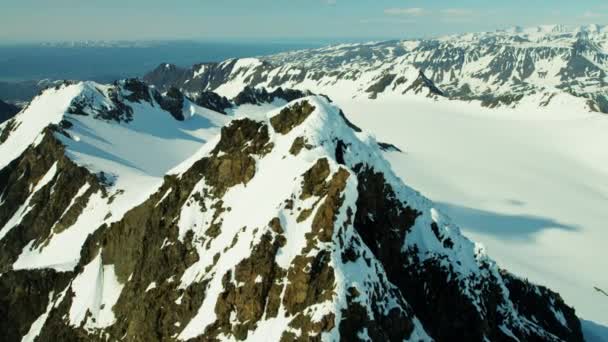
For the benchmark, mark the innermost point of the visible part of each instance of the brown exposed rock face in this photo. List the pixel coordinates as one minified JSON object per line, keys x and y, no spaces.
{"x":134,"y":246}
{"x":291,"y":117}
{"x":314,"y":179}
{"x":311,"y":278}
{"x":258,"y":295}
{"x":48,"y":206}
{"x":24,"y":296}
{"x":298,"y":144}
{"x":232,"y":162}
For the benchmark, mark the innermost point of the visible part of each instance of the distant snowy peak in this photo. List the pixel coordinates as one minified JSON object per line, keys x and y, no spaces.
{"x":541,"y":33}
{"x":547,"y":31}
{"x":541,"y":66}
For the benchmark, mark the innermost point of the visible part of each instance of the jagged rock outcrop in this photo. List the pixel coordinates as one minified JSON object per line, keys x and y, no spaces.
{"x":421,"y":83}
{"x":248,"y":96}
{"x":292,"y":228}
{"x":251,"y":95}
{"x":213,"y":101}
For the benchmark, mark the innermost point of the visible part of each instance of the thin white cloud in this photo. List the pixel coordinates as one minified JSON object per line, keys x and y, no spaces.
{"x":412,"y":11}
{"x":395,"y":21}
{"x":592,"y":15}
{"x":457,"y":12}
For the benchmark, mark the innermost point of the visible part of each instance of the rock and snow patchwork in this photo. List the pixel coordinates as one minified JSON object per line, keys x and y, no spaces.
{"x":48,"y":108}
{"x":290,"y":227}
{"x":248,"y":102}
{"x":86,"y":153}
{"x":96,"y":290}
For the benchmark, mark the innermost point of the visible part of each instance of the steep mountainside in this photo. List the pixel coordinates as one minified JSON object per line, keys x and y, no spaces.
{"x":120,"y":223}
{"x":537,"y":66}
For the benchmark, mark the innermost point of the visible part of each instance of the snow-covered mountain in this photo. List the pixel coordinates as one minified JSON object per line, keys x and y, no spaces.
{"x":535,"y":66}
{"x":130,"y":214}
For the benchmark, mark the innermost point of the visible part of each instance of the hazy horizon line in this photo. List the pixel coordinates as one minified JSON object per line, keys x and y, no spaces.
{"x":274,"y":40}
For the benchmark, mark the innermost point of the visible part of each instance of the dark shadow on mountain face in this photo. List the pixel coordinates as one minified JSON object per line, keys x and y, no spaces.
{"x":92,"y":150}
{"x":505,"y":226}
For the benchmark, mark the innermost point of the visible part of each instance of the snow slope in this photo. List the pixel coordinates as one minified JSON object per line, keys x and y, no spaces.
{"x":526,"y":183}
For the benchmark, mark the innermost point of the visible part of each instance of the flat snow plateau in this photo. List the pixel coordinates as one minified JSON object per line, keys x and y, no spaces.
{"x":530,"y":184}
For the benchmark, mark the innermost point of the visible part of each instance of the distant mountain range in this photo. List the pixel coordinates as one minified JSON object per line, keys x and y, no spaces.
{"x":540,"y":66}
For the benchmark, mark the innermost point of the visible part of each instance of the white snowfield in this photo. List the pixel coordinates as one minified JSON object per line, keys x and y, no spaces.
{"x":527,"y":183}
{"x":133,"y":155}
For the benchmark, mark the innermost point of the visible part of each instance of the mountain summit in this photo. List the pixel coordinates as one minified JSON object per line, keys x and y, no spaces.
{"x":290,"y":226}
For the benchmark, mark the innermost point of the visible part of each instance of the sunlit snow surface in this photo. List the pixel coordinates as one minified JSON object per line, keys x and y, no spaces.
{"x":528,"y":183}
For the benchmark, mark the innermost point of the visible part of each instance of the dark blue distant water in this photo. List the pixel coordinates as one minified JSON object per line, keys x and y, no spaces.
{"x":104,"y":64}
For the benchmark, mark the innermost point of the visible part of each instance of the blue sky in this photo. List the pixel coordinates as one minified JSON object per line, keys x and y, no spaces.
{"x":56,"y":20}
